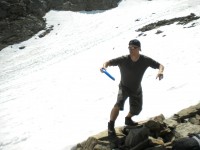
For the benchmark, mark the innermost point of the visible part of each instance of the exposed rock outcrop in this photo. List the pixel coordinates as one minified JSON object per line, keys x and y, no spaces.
{"x":157,"y":133}
{"x":79,"y":5}
{"x":21,"y":19}
{"x":179,"y":20}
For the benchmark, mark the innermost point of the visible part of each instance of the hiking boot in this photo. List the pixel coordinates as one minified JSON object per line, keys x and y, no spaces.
{"x":111,"y":129}
{"x":130,"y":122}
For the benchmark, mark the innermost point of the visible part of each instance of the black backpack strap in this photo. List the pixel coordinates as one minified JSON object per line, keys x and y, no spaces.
{"x":197,"y":138}
{"x":197,"y":135}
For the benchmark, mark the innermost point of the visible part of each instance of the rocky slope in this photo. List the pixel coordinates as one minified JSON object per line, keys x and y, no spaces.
{"x":157,"y":133}
{"x":21,"y":19}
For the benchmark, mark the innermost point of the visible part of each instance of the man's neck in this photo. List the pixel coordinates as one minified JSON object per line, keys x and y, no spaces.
{"x":135,"y":57}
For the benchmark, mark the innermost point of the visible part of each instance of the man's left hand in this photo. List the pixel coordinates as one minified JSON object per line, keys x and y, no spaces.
{"x":159,"y":76}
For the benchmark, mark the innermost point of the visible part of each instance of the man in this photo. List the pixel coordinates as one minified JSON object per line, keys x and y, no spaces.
{"x":132,"y":68}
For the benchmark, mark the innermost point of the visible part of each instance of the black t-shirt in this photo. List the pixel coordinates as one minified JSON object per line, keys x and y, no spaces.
{"x":132,"y":72}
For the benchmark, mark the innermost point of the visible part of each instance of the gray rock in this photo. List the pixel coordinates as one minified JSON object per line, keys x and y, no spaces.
{"x":183,"y":129}
{"x":171,"y":123}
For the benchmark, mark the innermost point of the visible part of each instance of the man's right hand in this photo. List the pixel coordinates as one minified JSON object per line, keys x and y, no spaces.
{"x":105,"y":65}
{"x":101,"y":69}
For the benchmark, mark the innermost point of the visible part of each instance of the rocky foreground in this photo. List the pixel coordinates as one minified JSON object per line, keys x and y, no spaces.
{"x":157,"y":133}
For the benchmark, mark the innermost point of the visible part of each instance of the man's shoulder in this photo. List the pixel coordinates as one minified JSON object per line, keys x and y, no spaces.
{"x":119,"y":60}
{"x":123,"y":57}
{"x":145,"y":57}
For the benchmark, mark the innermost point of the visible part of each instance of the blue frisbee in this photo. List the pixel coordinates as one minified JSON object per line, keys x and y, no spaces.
{"x":108,"y":74}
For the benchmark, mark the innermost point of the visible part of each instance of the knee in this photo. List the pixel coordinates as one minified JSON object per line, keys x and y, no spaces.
{"x":135,"y":111}
{"x":116,"y":107}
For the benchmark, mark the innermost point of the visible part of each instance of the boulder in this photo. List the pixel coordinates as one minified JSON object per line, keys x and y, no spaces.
{"x":183,"y":129}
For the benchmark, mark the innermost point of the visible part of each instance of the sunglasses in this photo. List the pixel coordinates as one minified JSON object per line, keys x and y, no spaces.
{"x":132,"y":47}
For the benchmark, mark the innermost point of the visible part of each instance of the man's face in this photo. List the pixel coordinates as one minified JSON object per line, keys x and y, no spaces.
{"x":133,"y":49}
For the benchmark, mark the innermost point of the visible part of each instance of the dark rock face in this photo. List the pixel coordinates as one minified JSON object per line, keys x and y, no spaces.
{"x":21,"y":19}
{"x":79,"y":5}
{"x":21,"y":8}
{"x":19,"y":30}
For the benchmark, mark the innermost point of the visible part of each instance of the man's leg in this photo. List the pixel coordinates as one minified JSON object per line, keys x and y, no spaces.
{"x":114,"y":113}
{"x":129,"y":121}
{"x":135,"y":102}
{"x":129,"y":115}
{"x":121,"y":97}
{"x":113,"y":116}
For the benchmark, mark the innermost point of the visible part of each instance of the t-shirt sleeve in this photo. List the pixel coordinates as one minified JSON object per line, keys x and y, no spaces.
{"x":117,"y":61}
{"x":152,"y":63}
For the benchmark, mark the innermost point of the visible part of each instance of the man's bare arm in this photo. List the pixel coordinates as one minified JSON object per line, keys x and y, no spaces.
{"x":160,"y":72}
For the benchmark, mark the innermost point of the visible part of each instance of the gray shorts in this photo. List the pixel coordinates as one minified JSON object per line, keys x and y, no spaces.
{"x":135,"y":99}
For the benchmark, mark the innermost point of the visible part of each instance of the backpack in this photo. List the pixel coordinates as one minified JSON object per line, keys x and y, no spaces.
{"x":136,"y":136}
{"x":187,"y":143}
